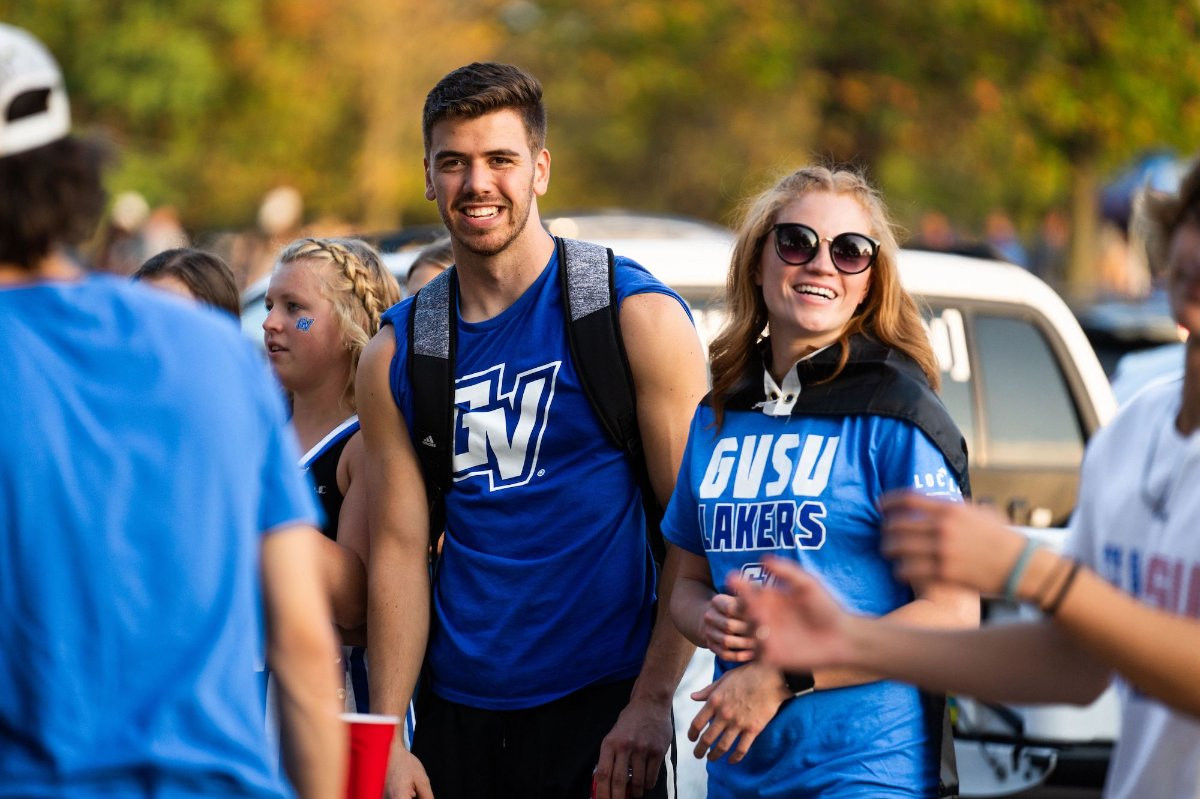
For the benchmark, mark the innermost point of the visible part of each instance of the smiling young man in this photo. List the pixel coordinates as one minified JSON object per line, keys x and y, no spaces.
{"x":544,"y":662}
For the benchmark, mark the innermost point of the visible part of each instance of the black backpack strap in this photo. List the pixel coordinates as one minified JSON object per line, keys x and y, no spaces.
{"x":432,"y":341}
{"x":939,"y":728}
{"x":587,"y":275}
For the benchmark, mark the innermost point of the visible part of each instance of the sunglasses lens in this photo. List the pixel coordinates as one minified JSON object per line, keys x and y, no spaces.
{"x":796,"y":244}
{"x":851,"y":252}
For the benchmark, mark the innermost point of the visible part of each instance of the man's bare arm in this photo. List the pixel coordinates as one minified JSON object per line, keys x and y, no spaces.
{"x":398,"y":571}
{"x":303,"y":654}
{"x":669,"y":375}
{"x":1157,"y":651}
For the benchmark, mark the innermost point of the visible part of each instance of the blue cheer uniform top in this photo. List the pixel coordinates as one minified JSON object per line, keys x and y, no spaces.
{"x":805,"y":487}
{"x":321,"y":464}
{"x":545,"y":583}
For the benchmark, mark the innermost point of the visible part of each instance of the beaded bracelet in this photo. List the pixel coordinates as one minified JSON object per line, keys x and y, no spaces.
{"x":1018,"y":570}
{"x":1055,"y":603}
{"x":1048,"y":582}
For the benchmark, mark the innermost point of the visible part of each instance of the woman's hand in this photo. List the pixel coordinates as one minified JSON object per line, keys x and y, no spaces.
{"x":736,"y":709}
{"x":726,"y":632}
{"x":932,"y":540}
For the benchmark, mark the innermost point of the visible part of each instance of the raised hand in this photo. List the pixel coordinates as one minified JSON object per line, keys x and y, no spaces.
{"x":932,"y":540}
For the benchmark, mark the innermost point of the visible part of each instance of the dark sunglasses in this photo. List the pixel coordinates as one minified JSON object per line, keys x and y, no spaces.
{"x":851,"y":253}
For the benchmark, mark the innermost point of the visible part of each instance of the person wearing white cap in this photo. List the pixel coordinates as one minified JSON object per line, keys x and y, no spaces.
{"x":150,"y":512}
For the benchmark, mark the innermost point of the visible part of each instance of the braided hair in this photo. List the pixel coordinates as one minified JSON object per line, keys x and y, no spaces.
{"x":356,"y":282}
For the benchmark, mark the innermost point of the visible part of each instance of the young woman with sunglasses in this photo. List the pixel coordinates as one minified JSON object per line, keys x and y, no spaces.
{"x":1129,"y":603}
{"x":822,"y":401}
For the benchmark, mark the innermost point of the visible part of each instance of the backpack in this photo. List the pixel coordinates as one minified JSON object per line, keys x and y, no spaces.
{"x":588,"y":282}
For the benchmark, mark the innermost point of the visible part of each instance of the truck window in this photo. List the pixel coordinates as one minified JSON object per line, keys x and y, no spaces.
{"x":947,"y":335}
{"x":1031,"y":417}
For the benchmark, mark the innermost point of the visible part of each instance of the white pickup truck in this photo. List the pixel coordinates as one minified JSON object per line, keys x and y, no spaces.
{"x":1027,"y":390}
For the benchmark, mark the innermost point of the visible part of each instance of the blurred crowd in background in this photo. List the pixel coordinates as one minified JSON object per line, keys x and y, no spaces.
{"x":134,"y":231}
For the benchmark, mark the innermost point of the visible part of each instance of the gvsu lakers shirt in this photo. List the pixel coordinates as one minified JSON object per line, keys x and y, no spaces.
{"x":805,"y":487}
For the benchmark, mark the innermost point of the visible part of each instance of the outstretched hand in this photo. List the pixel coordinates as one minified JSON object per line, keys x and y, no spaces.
{"x":799,"y":625}
{"x":933,"y":540}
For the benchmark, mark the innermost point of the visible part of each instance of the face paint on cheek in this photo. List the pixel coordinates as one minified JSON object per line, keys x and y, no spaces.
{"x":304,"y":323}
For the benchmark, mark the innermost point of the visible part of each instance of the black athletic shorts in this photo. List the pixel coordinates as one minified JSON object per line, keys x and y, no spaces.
{"x":544,"y":752}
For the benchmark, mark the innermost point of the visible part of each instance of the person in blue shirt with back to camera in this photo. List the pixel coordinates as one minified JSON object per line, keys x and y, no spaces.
{"x":804,"y":429}
{"x":151,"y":515}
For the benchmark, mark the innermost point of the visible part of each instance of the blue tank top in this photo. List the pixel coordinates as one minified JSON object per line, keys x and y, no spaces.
{"x":806,"y":488}
{"x":320,"y":464}
{"x":545,"y":583}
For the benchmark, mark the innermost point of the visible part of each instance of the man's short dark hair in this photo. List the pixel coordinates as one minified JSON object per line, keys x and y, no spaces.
{"x":478,"y":89}
{"x":49,"y":196}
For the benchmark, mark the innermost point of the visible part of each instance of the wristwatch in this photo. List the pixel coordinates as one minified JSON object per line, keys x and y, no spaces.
{"x":799,"y":682}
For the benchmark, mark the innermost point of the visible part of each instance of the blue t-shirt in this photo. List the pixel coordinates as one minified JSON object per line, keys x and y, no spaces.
{"x":545,"y":583}
{"x":145,"y":452}
{"x":806,"y":487}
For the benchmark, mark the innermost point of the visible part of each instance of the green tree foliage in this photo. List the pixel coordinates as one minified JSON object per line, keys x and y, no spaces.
{"x":1078,"y":87}
{"x":211,"y":104}
{"x":679,"y":107}
{"x":953,"y":105}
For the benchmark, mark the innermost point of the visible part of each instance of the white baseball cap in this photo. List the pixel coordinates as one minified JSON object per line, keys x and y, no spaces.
{"x":33,"y":102}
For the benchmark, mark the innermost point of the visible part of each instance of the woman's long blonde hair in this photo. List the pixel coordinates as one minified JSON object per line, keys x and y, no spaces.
{"x":888,"y":314}
{"x":357,"y":283}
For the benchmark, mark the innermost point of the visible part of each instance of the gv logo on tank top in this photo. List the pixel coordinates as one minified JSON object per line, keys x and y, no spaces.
{"x":498,"y":433}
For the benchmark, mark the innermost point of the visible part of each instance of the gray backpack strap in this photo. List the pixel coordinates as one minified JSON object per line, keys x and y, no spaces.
{"x":432,"y":340}
{"x":587,"y":275}
{"x":594,"y":337}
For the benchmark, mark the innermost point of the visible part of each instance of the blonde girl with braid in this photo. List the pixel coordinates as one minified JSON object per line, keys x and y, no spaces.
{"x":323,"y":305}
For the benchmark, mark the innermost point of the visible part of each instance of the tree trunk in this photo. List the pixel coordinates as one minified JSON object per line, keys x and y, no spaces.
{"x":1082,"y":260}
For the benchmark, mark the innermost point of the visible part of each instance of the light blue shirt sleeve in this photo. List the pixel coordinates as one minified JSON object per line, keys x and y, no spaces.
{"x":286,"y":497}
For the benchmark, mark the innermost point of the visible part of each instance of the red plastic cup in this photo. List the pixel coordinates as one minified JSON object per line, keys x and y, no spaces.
{"x":370,"y":743}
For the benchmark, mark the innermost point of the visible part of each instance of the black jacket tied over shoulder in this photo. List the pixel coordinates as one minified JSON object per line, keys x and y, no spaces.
{"x":876,"y":381}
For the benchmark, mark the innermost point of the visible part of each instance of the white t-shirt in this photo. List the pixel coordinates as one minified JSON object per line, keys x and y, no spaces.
{"x":1138,"y":525}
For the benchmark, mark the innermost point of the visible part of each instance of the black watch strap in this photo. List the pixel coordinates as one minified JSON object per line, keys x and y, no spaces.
{"x":799,"y":682}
